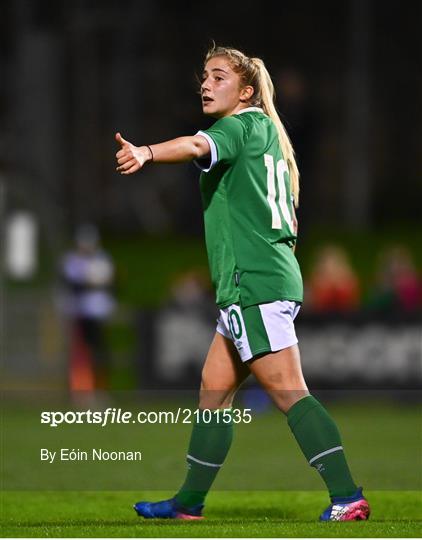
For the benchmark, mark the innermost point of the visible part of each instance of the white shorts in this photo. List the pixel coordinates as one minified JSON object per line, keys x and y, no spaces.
{"x":259,"y":329}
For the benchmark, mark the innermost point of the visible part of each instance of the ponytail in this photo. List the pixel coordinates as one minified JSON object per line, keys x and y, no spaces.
{"x":267,"y":101}
{"x":253,"y":72}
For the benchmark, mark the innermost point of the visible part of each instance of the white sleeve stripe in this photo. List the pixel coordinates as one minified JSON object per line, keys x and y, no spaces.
{"x":213,"y":149}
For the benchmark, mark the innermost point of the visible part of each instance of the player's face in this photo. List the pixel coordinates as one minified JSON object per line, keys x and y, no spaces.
{"x":221,"y":90}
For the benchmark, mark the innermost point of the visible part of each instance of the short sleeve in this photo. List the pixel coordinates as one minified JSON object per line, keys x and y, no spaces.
{"x":226,"y":139}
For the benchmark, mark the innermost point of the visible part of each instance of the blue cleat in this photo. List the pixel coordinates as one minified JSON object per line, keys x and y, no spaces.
{"x":168,"y":509}
{"x":354,"y":508}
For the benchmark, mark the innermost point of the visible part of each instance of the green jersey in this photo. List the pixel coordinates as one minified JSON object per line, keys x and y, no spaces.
{"x":247,"y":204}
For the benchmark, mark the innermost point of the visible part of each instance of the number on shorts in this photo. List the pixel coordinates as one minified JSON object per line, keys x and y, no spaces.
{"x":235,"y":324}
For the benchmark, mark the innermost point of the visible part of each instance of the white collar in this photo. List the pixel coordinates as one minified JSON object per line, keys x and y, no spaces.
{"x":250,"y":109}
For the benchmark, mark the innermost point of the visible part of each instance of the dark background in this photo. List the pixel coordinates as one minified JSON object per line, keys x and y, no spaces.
{"x":74,"y":72}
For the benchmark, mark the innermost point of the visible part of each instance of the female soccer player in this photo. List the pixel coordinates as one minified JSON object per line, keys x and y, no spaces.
{"x":249,"y":186}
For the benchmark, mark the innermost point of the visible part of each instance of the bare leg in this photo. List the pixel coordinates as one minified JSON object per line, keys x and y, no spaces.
{"x":210,"y":441}
{"x":222,"y":374}
{"x":280,"y":374}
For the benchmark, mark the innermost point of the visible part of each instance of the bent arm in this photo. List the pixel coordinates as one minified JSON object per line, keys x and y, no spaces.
{"x":181,"y":149}
{"x":131,"y":158}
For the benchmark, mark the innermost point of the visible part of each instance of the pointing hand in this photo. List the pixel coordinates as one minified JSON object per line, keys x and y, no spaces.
{"x":130,"y":158}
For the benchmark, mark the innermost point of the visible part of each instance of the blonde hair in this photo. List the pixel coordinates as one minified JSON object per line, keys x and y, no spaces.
{"x":252,"y":72}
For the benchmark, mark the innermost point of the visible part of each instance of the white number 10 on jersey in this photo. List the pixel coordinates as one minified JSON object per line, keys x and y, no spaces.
{"x":272,"y":193}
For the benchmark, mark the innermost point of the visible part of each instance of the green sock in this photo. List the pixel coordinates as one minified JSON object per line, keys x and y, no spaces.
{"x":319,"y":439}
{"x":210,"y":442}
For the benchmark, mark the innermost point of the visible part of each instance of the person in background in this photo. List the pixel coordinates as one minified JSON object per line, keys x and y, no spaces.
{"x":398,"y":286}
{"x":333,"y":286}
{"x":87,"y":274}
{"x":185,"y":328}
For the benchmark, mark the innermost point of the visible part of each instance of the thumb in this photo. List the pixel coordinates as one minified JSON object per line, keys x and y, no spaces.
{"x":120,"y":139}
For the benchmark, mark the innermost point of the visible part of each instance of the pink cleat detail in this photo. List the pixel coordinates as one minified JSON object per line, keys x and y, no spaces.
{"x":356,"y":511}
{"x":188,"y":516}
{"x":354,"y":508}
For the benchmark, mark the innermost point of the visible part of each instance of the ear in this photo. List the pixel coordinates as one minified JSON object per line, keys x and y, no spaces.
{"x":246,"y":93}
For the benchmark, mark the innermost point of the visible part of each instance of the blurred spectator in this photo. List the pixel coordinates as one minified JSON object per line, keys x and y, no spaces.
{"x":191,"y":290}
{"x":87,"y":277}
{"x":397,"y":283}
{"x":184,"y":329}
{"x":333,"y":286}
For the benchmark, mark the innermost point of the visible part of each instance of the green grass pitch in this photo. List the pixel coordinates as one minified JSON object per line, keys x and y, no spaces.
{"x":278,"y":494}
{"x":228,"y":514}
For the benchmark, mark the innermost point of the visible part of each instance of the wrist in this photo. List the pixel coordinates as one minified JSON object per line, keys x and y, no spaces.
{"x":148,"y":154}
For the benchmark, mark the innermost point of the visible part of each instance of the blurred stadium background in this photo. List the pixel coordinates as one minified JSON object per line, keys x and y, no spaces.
{"x":348,"y":80}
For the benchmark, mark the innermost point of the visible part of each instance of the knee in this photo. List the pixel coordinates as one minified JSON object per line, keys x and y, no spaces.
{"x":285,"y":399}
{"x":212,"y":381}
{"x":215,"y":394}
